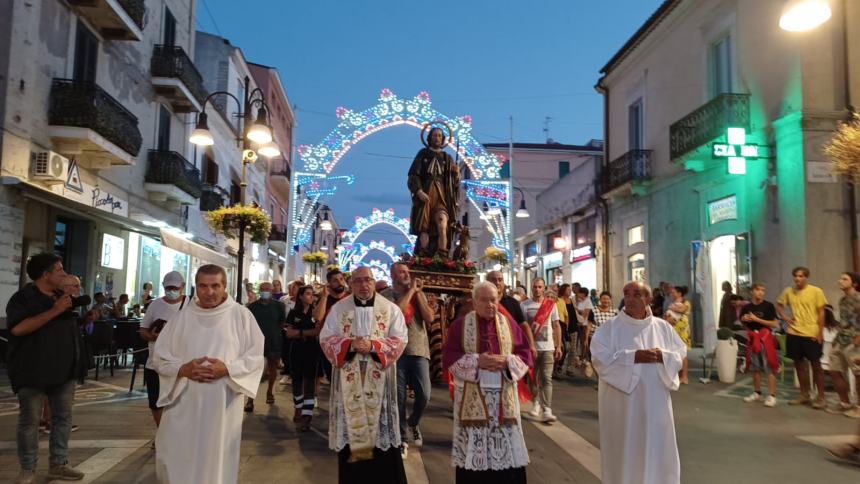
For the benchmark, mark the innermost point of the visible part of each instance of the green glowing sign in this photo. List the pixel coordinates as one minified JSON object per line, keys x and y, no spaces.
{"x":736,"y":151}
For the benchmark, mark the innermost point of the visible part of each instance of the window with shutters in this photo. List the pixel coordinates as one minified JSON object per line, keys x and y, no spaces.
{"x":86,"y":54}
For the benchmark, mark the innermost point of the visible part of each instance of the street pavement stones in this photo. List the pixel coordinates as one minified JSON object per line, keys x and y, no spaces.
{"x":721,"y":440}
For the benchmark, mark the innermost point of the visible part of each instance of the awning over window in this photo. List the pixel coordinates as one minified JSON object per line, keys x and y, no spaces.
{"x":180,"y":244}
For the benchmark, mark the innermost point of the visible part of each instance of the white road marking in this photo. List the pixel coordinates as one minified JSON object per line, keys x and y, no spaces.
{"x":112,"y":453}
{"x":414,"y":464}
{"x":827,"y":441}
{"x":573,"y":444}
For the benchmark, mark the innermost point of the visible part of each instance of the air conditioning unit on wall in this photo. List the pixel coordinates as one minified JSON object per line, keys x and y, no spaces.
{"x":49,"y":167}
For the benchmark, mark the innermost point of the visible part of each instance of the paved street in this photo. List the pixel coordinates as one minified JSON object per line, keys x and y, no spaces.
{"x":721,"y":439}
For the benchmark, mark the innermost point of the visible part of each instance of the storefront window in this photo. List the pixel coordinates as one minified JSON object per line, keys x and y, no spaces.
{"x":550,"y":241}
{"x":585,"y":230}
{"x":635,"y":235}
{"x":636,"y":267}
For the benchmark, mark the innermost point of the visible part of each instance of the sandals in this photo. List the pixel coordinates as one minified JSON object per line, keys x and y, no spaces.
{"x":270,"y":399}
{"x":249,"y":406}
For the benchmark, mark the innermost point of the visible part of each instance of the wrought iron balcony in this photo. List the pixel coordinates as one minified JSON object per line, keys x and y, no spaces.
{"x":708,"y":122}
{"x":278,"y":233}
{"x":115,"y":19}
{"x":212,"y":198}
{"x":279,"y":171}
{"x":169,"y":171}
{"x":79,"y":108}
{"x":630,"y":168}
{"x":175,"y":77}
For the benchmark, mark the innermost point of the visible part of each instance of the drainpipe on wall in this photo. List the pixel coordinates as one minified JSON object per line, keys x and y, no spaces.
{"x":601,"y":88}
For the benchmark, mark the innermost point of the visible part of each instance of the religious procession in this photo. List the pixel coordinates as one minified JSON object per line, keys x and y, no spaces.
{"x":285,"y":291}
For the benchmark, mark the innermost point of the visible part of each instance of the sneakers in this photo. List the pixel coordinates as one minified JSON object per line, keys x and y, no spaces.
{"x":535,"y":411}
{"x":404,"y":450}
{"x":770,"y":401}
{"x":548,"y":417}
{"x":285,"y":380}
{"x":305,"y":423}
{"x":838,"y":408}
{"x":26,"y":477}
{"x":589,"y":370}
{"x":64,"y":473}
{"x":417,"y":439}
{"x":801,"y":400}
{"x":753,"y":397}
{"x":852,"y":413}
{"x":819,"y":404}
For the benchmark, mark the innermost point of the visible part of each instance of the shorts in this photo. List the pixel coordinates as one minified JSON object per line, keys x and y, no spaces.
{"x":150,"y":377}
{"x":842,"y":358}
{"x":758,"y":362}
{"x":799,"y":348}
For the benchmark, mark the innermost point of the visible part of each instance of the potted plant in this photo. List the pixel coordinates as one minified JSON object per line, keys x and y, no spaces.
{"x":726,"y":355}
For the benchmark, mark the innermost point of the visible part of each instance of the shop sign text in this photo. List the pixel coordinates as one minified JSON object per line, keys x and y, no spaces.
{"x":723,"y":209}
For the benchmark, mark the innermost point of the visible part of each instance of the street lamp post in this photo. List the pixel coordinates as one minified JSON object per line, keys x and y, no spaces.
{"x":259,"y":133}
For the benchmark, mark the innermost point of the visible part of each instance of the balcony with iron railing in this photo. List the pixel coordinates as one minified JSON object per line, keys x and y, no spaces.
{"x":85,"y":119}
{"x":707,"y":123}
{"x":630,"y":172}
{"x":170,"y":177}
{"x":176,"y":79}
{"x":280,"y":172}
{"x":212,"y":197}
{"x":114,"y":19}
{"x":278,"y":238}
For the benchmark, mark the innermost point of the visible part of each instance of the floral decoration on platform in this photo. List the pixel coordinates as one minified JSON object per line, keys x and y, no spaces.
{"x":226,"y":221}
{"x":440,"y":264}
{"x":844,"y":149}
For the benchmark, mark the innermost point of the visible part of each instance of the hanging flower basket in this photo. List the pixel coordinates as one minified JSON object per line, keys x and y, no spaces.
{"x":496,"y":254}
{"x":844,"y":149}
{"x":332,"y":267}
{"x":440,"y":264}
{"x":226,"y":221}
{"x":315,"y":257}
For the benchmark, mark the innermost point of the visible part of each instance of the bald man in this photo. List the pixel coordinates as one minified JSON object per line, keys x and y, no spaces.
{"x":513,"y":308}
{"x":637,"y":356}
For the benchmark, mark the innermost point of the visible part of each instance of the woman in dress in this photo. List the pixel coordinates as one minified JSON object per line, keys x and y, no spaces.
{"x":305,"y":353}
{"x":678,"y":316}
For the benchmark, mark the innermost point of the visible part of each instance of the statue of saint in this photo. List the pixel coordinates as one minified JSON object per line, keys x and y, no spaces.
{"x":434,"y":182}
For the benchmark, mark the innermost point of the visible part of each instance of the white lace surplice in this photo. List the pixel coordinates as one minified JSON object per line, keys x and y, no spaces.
{"x":491,"y":447}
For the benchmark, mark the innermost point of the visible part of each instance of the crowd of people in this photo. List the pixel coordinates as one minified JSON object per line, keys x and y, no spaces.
{"x":378,"y":347}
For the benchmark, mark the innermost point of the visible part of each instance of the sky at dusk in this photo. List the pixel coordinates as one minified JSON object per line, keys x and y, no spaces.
{"x":489,"y":59}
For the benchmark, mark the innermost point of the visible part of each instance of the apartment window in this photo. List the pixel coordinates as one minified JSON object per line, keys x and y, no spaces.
{"x":210,"y":170}
{"x":550,"y":241}
{"x":563,"y":168}
{"x":86,"y":54}
{"x":635,"y":235}
{"x":162,"y":142}
{"x":531,"y":249}
{"x":721,"y":66}
{"x":169,"y":37}
{"x":636,"y":121}
{"x":636,"y":267}
{"x":585,"y":231}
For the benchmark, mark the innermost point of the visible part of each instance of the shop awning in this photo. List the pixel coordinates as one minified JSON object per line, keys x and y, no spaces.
{"x":193,"y":249}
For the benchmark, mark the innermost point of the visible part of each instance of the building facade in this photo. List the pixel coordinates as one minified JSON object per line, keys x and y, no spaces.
{"x":95,"y":104}
{"x":537,"y":167}
{"x":715,"y":172}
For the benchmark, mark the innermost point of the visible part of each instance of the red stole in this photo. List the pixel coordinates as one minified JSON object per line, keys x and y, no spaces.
{"x":542,"y":315}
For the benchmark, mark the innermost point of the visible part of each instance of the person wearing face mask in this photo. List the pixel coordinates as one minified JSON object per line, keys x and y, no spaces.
{"x":332,"y":292}
{"x":159,"y":313}
{"x":271,"y":316}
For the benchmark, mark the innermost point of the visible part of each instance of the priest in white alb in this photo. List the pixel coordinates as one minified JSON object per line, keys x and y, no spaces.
{"x":208,"y":357}
{"x":487,"y":353}
{"x":363,"y":336}
{"x":637,"y":357}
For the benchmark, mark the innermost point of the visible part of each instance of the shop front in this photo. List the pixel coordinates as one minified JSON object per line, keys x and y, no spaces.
{"x":552,"y":268}
{"x":583,"y":265}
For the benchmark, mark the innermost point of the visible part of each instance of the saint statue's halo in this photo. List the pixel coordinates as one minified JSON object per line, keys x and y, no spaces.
{"x":437,"y":124}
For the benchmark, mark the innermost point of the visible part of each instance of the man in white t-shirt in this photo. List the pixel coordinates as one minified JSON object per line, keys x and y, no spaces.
{"x":160,"y":312}
{"x":542,"y":314}
{"x":584,"y":308}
